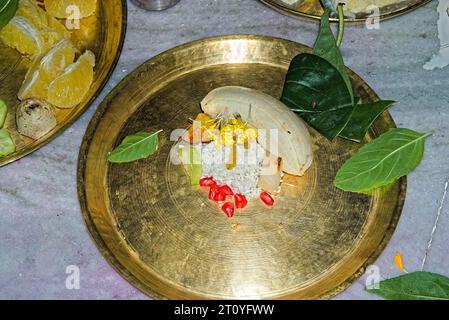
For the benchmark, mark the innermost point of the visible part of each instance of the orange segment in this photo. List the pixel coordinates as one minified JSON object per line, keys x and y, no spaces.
{"x":30,"y":11}
{"x":33,"y":86}
{"x":49,"y":28}
{"x":45,"y":70}
{"x":21,"y":35}
{"x":69,"y":89}
{"x":57,"y":59}
{"x":64,"y":8}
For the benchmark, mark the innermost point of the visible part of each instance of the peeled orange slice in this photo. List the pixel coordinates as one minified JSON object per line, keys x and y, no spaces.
{"x":49,"y":28}
{"x":69,"y":89}
{"x":70,"y":8}
{"x":21,"y":35}
{"x":57,"y":59}
{"x":45,"y":70}
{"x":29,"y":10}
{"x":33,"y":86}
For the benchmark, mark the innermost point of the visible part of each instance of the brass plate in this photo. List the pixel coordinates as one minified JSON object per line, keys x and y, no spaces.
{"x":169,"y":241}
{"x":313,"y":9}
{"x":103,"y":34}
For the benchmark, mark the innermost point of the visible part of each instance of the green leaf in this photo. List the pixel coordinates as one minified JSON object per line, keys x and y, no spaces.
{"x":363,"y":118}
{"x":413,"y":286}
{"x":3,"y":113}
{"x":382,"y":161}
{"x":8,"y":10}
{"x":134,"y":147}
{"x":191,"y":159}
{"x":7,"y":146}
{"x":326,"y":47}
{"x":312,"y":80}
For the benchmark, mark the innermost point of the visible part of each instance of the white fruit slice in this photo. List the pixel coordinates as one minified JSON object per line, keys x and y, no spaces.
{"x":294,"y":145}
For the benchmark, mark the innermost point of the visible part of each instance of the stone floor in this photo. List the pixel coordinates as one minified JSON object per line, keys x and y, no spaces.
{"x":41,"y":229}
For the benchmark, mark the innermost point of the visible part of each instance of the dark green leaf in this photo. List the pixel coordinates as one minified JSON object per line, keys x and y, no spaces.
{"x":7,"y":146}
{"x":326,"y":47}
{"x":413,"y":286}
{"x":315,"y":90}
{"x":382,"y":161}
{"x":363,"y":118}
{"x":137,"y":146}
{"x":8,"y":9}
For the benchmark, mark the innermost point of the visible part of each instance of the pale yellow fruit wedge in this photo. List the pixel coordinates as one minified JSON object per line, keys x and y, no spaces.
{"x":45,"y":70}
{"x":70,"y":88}
{"x":50,"y":29}
{"x":33,"y":86}
{"x":57,"y":25}
{"x":70,"y":8}
{"x":31,"y":11}
{"x":21,"y":35}
{"x":57,"y":60}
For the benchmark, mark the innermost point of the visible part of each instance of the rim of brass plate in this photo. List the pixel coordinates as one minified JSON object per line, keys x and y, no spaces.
{"x":39,"y":144}
{"x":385,"y":121}
{"x":297,"y":14}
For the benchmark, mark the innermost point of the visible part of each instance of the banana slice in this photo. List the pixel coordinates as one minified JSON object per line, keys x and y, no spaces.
{"x":294,"y":145}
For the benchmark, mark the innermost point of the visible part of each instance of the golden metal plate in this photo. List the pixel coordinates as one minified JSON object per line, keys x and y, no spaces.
{"x":313,"y":9}
{"x":103,"y":34}
{"x":168,"y":240}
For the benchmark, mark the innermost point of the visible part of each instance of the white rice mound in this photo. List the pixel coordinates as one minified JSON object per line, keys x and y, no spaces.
{"x":243,"y":178}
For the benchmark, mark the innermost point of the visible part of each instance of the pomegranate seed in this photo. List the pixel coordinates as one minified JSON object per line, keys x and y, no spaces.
{"x":267,"y":198}
{"x":228,"y":209}
{"x":240,"y":201}
{"x":213,"y":191}
{"x":219,"y":196}
{"x":226,"y":190}
{"x":207,"y":181}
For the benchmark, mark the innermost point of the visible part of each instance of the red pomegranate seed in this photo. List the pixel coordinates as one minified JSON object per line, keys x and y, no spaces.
{"x":228,"y":209}
{"x":219,"y":196}
{"x":267,"y":198}
{"x":226,"y":190}
{"x":207,"y":181}
{"x":240,"y":201}
{"x":213,"y":191}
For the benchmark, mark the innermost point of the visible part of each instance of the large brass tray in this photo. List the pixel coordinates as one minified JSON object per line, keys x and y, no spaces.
{"x":169,"y":241}
{"x":103,"y":34}
{"x":313,"y":9}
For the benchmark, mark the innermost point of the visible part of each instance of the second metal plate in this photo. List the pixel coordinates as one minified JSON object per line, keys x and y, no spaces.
{"x":313,"y":8}
{"x":168,"y":240}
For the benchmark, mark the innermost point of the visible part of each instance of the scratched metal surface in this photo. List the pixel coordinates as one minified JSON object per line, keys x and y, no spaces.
{"x":41,"y":228}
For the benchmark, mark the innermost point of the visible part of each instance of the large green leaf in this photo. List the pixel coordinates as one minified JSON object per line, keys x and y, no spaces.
{"x":3,"y":113}
{"x":7,"y":146}
{"x":413,"y":286}
{"x":382,"y":161}
{"x":134,"y":147}
{"x":8,"y":9}
{"x":315,"y":90}
{"x":363,"y":118}
{"x":326,"y":47}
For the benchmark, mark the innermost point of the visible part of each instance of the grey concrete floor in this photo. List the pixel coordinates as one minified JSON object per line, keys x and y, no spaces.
{"x":41,"y":229}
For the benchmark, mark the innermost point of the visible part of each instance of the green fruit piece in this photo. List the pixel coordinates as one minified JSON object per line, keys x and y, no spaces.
{"x":7,"y":146}
{"x":3,"y":112}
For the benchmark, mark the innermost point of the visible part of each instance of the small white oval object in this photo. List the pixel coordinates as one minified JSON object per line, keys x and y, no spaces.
{"x":262,"y":111}
{"x":35,"y":118}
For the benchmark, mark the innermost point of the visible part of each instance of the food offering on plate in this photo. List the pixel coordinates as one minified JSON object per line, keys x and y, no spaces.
{"x":241,"y":145}
{"x":60,"y":74}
